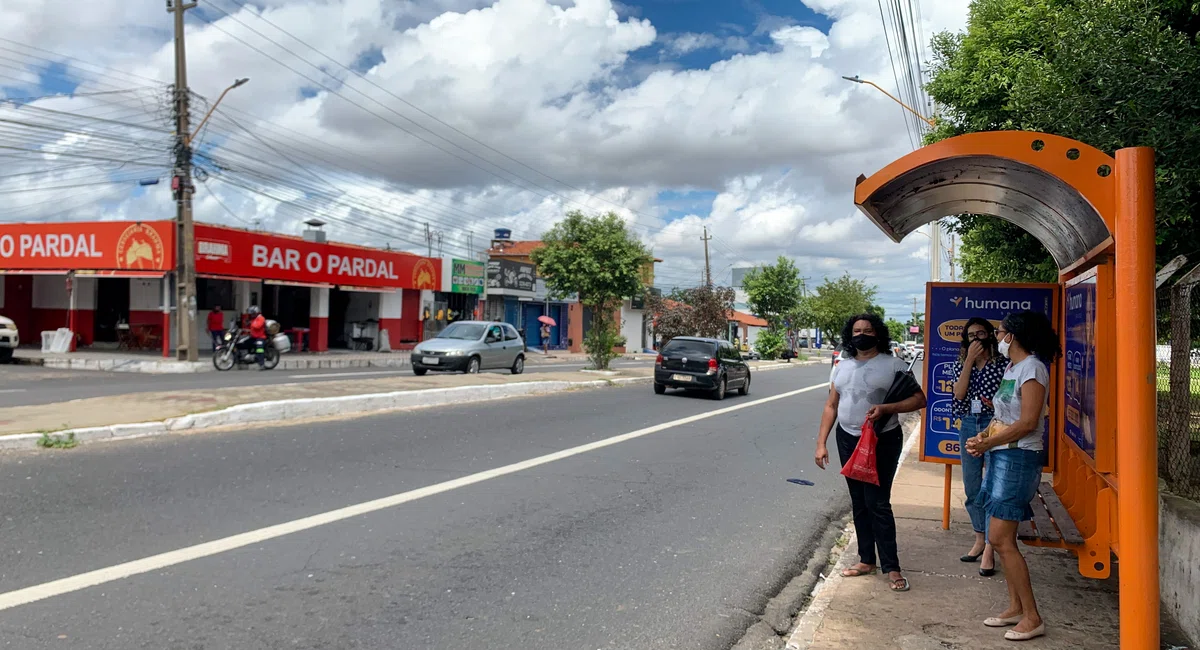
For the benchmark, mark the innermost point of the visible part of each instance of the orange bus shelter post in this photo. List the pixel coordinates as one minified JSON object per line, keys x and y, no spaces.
{"x":1137,"y":454}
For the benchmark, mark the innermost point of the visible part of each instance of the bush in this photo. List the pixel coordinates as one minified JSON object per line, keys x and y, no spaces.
{"x":769,"y":344}
{"x":600,"y":341}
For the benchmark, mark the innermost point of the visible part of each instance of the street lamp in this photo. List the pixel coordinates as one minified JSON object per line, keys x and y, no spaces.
{"x":935,"y":263}
{"x":217,"y":103}
{"x":856,"y":79}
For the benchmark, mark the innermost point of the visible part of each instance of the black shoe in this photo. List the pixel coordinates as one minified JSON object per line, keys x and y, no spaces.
{"x":987,"y":573}
{"x":971,"y":558}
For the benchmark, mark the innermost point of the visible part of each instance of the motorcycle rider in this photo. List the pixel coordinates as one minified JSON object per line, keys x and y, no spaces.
{"x":258,"y":333}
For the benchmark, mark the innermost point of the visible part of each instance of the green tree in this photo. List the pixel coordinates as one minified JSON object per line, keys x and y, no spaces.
{"x":835,"y":301}
{"x":596,"y":258}
{"x":1111,"y":73}
{"x":896,"y":329}
{"x":773,"y":291}
{"x":769,"y":343}
{"x":917,"y":321}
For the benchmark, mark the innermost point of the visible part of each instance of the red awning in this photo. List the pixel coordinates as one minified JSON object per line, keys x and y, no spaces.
{"x":235,"y":278}
{"x":122,"y":274}
{"x":35,"y":272}
{"x":290,"y":283}
{"x":345,"y":287}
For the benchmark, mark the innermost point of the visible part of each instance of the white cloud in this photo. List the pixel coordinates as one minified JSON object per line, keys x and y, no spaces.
{"x":558,"y":86}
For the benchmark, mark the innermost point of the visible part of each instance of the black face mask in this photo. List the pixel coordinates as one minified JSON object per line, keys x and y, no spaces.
{"x":864,"y":342}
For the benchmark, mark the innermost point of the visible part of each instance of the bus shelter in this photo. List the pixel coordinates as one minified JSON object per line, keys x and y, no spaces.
{"x":1094,"y":213}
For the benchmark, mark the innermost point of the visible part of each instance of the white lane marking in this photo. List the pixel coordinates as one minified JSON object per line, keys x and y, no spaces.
{"x":13,"y":390}
{"x":155,"y":562}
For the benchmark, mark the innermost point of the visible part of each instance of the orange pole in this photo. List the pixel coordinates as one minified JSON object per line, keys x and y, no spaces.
{"x":946,"y":497}
{"x":1137,"y":457}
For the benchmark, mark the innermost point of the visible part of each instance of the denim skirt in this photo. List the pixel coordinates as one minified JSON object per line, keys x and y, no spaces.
{"x":1010,"y":483}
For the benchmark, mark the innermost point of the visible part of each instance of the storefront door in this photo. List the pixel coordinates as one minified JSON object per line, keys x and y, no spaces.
{"x":112,"y":307}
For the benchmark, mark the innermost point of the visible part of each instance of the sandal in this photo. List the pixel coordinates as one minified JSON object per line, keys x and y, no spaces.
{"x":855,"y":572}
{"x":899,"y":584}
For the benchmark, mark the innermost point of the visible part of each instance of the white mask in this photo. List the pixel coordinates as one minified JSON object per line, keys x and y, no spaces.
{"x":1003,"y":346}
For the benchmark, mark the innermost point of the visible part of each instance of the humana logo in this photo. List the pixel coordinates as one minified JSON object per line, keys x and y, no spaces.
{"x":968,"y":303}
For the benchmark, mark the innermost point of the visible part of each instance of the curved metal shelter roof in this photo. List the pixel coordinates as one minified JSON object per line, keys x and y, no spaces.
{"x":1057,"y":189}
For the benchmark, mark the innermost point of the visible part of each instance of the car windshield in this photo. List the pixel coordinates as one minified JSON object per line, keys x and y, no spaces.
{"x":689,"y":347}
{"x":463,"y":332}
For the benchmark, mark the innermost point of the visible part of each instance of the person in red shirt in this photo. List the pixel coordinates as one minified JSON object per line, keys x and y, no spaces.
{"x":258,"y":332}
{"x":216,"y":325}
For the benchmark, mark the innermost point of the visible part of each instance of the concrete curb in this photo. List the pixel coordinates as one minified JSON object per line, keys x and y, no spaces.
{"x":282,"y":411}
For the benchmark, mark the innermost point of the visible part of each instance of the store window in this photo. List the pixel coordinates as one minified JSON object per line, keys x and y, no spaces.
{"x":213,"y":293}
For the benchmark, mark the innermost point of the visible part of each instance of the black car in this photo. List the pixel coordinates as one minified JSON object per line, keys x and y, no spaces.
{"x":693,"y":363}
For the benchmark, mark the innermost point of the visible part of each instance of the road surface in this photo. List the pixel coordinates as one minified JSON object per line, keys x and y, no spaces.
{"x":660,"y":537}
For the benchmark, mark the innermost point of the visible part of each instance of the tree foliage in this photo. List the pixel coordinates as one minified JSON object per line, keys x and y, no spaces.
{"x":896,"y":329}
{"x":773,"y":291}
{"x":597,"y":258}
{"x":1110,"y":73}
{"x":703,"y":311}
{"x":835,"y":301}
{"x":770,"y":343}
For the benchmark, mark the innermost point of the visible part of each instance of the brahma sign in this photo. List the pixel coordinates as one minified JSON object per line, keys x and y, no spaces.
{"x":93,"y":246}
{"x":231,"y":252}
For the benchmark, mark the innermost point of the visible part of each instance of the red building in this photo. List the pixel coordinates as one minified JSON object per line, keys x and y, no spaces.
{"x":114,"y":281}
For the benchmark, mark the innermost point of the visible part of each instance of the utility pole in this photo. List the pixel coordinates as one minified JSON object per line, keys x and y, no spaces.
{"x":429,"y":240}
{"x":953,"y":272}
{"x":935,"y":251}
{"x":804,"y":295}
{"x":707,"y":265}
{"x":185,"y":231}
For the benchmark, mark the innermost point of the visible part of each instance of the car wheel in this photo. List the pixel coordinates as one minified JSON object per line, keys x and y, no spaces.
{"x":745,"y":389}
{"x":719,"y":393}
{"x":420,"y":372}
{"x":518,"y":366}
{"x":473,"y":366}
{"x":660,"y":389}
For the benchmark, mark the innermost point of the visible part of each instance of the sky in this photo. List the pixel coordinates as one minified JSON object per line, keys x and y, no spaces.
{"x":382,"y":116}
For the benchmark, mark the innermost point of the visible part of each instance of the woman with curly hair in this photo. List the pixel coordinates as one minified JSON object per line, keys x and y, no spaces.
{"x":1013,"y":448}
{"x":977,"y":375}
{"x":856,"y":394}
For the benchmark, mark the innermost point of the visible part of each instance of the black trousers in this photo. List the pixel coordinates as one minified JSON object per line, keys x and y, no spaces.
{"x":874,"y":523}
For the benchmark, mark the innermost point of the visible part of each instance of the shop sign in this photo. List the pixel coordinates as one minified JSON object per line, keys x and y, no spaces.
{"x":466,"y":276}
{"x":104,"y":245}
{"x":1079,"y":393}
{"x":507,"y":274}
{"x":226,"y":251}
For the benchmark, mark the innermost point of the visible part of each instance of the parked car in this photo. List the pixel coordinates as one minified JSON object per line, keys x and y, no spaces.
{"x":837,"y":355}
{"x":9,"y":339}
{"x":471,"y":346}
{"x":695,"y":363}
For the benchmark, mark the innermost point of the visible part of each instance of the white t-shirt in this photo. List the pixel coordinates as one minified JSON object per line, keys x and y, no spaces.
{"x":1008,"y":398}
{"x":861,"y":385}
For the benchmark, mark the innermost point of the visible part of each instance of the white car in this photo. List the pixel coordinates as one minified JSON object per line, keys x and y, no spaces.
{"x":9,"y":339}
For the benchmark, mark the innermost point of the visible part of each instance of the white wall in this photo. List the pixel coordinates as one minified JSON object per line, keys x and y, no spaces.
{"x":631,"y":327}
{"x":391,"y":304}
{"x":752,"y":334}
{"x":145,"y":295}
{"x":50,"y":292}
{"x":1179,"y":561}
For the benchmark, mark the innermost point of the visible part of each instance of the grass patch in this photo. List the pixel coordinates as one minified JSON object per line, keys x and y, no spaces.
{"x":48,"y":441}
{"x":1164,"y":380}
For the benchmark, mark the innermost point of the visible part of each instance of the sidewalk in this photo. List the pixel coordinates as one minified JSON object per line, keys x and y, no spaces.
{"x":949,"y":600}
{"x":155,"y":363}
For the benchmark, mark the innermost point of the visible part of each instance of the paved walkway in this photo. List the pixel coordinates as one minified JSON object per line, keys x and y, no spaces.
{"x":949,"y":600}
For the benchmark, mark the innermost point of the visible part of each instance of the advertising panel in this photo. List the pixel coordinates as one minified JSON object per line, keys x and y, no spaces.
{"x":100,"y":245}
{"x":226,"y":251}
{"x":507,"y":274}
{"x":1080,"y":360}
{"x":466,"y":276}
{"x":949,"y":306}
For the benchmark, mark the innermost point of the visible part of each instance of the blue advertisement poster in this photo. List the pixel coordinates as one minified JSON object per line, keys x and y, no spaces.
{"x":1080,"y":360}
{"x":949,"y":307}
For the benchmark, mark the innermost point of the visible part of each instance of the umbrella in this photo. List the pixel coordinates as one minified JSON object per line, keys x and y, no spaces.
{"x":547,"y":320}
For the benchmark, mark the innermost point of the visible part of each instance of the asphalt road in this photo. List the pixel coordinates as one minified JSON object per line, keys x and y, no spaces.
{"x":664,"y":539}
{"x":26,"y":385}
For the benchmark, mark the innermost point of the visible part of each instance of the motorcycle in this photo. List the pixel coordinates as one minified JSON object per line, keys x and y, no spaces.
{"x":238,"y":349}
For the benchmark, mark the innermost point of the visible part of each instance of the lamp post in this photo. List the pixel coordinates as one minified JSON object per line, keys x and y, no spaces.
{"x":188,"y":343}
{"x":935,"y":262}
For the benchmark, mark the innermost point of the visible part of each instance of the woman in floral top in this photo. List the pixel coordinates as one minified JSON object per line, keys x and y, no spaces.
{"x":977,"y":375}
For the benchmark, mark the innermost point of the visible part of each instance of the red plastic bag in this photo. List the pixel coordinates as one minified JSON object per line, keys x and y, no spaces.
{"x":862,"y":462}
